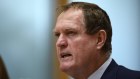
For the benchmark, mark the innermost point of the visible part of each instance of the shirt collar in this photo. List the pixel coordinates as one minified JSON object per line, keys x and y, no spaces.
{"x":98,"y":73}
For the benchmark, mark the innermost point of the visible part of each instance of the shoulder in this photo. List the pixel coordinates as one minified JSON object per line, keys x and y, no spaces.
{"x":124,"y":73}
{"x":115,"y":71}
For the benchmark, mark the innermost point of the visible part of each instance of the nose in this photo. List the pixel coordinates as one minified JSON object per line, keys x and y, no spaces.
{"x":61,"y":42}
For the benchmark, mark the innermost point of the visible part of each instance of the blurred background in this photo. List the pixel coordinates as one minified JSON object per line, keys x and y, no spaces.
{"x":27,"y":45}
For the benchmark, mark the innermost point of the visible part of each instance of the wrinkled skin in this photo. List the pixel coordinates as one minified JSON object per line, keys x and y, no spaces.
{"x":77,"y":51}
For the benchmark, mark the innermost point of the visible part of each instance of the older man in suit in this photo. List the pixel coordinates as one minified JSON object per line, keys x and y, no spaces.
{"x":84,"y":33}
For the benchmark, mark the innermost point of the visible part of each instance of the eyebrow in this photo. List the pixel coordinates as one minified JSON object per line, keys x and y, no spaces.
{"x":70,"y":29}
{"x":66,"y":29}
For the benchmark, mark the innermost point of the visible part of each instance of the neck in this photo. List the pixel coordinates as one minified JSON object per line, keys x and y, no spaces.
{"x":84,"y":73}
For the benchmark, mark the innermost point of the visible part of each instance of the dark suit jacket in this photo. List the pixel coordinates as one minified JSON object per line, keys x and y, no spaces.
{"x":115,"y":71}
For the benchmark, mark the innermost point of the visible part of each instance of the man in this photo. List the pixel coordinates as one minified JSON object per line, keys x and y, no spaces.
{"x":84,"y":33}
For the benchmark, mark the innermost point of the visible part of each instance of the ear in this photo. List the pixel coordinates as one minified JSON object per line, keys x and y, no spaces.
{"x":101,"y":38}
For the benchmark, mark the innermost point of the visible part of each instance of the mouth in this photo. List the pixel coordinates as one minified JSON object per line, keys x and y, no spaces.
{"x":65,"y":55}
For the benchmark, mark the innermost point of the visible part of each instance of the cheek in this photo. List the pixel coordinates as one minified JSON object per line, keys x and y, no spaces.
{"x":83,"y":50}
{"x":83,"y":46}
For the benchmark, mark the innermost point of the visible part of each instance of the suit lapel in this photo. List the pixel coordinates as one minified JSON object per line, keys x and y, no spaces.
{"x":111,"y":71}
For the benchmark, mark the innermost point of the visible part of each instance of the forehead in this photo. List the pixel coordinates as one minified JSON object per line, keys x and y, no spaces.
{"x":70,"y":18}
{"x":71,"y":14}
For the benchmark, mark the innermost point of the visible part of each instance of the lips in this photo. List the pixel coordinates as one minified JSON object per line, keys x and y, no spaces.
{"x":64,"y":55}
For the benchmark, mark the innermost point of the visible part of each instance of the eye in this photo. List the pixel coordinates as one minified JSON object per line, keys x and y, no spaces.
{"x":57,"y":34}
{"x":71,"y":33}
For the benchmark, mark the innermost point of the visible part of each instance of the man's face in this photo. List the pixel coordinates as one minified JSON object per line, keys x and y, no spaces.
{"x":75,"y":49}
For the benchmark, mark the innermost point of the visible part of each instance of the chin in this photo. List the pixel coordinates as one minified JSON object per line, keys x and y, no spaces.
{"x":65,"y":67}
{"x":70,"y":70}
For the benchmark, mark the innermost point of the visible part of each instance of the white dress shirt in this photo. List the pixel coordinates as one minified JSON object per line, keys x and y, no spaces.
{"x":98,"y":73}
